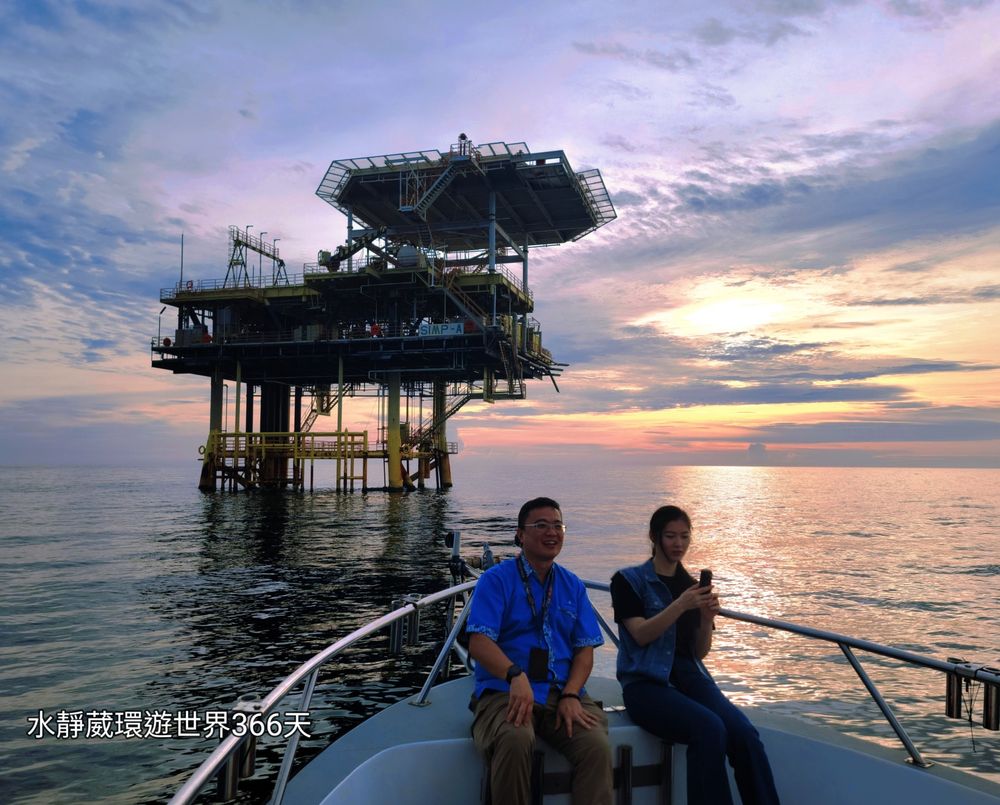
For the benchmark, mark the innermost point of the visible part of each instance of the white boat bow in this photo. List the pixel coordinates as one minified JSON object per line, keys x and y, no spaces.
{"x":420,"y":750}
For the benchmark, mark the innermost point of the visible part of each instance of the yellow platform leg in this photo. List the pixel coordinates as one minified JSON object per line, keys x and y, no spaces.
{"x":392,"y":437}
{"x":441,"y":436}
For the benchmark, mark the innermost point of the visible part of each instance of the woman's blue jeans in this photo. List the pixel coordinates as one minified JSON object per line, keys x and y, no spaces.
{"x":693,"y":711}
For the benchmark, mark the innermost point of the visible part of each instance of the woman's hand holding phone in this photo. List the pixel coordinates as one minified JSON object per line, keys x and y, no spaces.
{"x":695,"y":597}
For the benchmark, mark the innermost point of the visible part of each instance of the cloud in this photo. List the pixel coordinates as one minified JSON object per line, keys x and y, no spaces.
{"x":858,"y":193}
{"x":716,"y":33}
{"x":687,"y":392}
{"x":800,"y":8}
{"x":611,"y":372}
{"x":739,"y":196}
{"x":19,"y":153}
{"x":886,"y":370}
{"x":625,"y":90}
{"x":936,"y":190}
{"x":627,"y":198}
{"x":935,"y":13}
{"x":712,"y":95}
{"x":957,"y":297}
{"x":942,"y":430}
{"x":773,"y":393}
{"x":755,"y":348}
{"x":619,"y":143}
{"x":915,"y":266}
{"x":674,"y":60}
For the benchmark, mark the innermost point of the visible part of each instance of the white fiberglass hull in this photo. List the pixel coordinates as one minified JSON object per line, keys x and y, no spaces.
{"x":411,"y":755}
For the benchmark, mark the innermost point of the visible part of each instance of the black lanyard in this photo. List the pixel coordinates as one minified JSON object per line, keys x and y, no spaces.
{"x":547,"y":596}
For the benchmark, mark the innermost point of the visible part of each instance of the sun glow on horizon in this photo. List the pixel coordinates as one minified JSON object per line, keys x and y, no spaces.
{"x":728,"y":315}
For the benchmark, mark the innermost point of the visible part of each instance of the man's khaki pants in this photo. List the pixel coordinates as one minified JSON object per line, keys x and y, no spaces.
{"x":508,"y":750}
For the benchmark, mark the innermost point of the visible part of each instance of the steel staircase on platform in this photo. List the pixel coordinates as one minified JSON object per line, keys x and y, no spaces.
{"x":425,"y":236}
{"x":458,"y":165}
{"x":426,"y":431}
{"x":463,"y":301}
{"x":326,"y":403}
{"x":512,"y":371}
{"x":435,"y":190}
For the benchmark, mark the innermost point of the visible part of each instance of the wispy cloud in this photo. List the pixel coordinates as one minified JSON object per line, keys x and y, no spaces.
{"x":672,"y":60}
{"x":955,"y":298}
{"x":714,"y":32}
{"x":886,"y":430}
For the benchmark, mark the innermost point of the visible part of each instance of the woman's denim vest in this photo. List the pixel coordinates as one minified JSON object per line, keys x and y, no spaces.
{"x":654,"y":660}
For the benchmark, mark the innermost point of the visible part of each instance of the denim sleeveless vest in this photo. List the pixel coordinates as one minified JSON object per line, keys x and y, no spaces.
{"x":654,"y":660}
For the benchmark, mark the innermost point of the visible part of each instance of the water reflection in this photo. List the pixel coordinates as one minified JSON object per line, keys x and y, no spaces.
{"x":278,"y":577}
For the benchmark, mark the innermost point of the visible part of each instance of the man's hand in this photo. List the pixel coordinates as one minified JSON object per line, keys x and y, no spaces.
{"x":570,"y":711}
{"x":522,"y":700}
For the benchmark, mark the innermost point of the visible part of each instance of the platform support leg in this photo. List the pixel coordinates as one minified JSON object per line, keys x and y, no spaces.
{"x":392,"y":437}
{"x":274,"y":419}
{"x":209,"y":467}
{"x":441,"y":437}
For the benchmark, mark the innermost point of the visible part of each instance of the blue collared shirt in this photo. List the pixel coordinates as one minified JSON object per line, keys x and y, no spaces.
{"x":500,"y":610}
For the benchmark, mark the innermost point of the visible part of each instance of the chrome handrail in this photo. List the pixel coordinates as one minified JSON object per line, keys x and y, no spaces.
{"x":980,"y":673}
{"x":967,"y":670}
{"x":308,"y":671}
{"x":228,"y":746}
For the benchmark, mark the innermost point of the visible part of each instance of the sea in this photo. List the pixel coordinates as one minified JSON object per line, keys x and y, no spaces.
{"x":132,"y":606}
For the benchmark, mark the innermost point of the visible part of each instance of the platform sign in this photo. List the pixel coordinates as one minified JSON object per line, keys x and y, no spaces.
{"x":441,"y":328}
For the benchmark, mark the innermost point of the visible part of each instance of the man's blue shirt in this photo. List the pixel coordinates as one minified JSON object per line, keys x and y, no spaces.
{"x":500,"y":610}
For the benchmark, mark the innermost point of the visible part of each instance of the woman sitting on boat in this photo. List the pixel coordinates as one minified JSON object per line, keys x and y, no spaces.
{"x":665,"y":625}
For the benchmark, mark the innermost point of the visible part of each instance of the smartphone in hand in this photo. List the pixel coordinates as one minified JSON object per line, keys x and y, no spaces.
{"x":705,"y":579}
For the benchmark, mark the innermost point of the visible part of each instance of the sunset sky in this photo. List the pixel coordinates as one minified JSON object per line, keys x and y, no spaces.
{"x":805,"y":267}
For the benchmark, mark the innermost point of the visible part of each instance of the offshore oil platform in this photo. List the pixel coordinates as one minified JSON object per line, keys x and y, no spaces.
{"x":418,"y":308}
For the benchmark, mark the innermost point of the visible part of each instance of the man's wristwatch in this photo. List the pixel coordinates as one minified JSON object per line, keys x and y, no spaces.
{"x":514,"y":670}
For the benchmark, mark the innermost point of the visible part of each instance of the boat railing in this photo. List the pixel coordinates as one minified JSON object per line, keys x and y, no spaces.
{"x":224,"y":761}
{"x":955,"y":670}
{"x":228,"y":761}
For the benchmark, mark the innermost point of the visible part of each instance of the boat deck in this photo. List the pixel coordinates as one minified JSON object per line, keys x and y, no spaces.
{"x":411,"y":755}
{"x":445,"y":717}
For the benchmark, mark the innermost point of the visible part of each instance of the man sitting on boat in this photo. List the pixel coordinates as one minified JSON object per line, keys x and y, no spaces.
{"x":532,"y":634}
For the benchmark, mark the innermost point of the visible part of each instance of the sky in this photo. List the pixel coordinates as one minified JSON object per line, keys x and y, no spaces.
{"x":803,"y":270}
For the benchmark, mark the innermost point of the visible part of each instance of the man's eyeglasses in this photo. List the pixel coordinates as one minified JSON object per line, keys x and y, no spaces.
{"x":541,"y":526}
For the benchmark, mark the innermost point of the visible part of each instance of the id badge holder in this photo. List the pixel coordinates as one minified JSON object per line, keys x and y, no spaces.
{"x":538,"y":665}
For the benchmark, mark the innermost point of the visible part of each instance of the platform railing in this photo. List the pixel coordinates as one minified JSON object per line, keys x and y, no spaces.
{"x":312,"y":271}
{"x":247,"y":283}
{"x":231,"y":752}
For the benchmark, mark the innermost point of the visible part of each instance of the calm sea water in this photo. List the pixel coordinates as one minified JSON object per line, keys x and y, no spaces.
{"x":128,"y":590}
